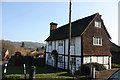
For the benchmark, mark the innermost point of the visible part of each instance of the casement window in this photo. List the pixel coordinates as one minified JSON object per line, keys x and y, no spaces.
{"x":50,"y":43}
{"x":98,"y":24}
{"x":60,"y":43}
{"x":60,"y":58}
{"x":72,"y":42}
{"x":97,"y":41}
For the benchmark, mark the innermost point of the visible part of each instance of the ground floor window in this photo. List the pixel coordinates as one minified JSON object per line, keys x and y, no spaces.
{"x":73,"y":61}
{"x":60,"y":58}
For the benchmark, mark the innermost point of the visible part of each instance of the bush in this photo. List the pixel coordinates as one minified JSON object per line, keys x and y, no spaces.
{"x":86,"y":68}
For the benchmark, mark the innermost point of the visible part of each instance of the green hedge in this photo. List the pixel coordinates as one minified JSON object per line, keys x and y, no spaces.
{"x":86,"y":68}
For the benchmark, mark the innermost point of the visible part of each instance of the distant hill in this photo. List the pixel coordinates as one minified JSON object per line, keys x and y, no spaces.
{"x":16,"y":46}
{"x":29,"y":44}
{"x":6,"y":44}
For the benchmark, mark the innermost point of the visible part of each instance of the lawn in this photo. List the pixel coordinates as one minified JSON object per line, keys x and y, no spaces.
{"x":41,"y":73}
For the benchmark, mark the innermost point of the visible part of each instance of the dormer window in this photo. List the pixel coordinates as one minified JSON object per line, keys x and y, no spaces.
{"x":98,"y":24}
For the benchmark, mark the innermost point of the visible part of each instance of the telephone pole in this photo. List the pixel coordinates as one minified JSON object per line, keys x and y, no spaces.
{"x":69,"y":48}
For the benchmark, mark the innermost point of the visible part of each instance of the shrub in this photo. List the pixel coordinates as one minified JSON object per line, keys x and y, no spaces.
{"x":86,"y":68}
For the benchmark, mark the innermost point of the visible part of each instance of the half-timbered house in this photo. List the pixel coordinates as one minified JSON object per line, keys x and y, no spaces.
{"x":90,"y":43}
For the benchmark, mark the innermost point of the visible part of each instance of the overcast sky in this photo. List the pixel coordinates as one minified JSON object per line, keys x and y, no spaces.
{"x":29,"y":21}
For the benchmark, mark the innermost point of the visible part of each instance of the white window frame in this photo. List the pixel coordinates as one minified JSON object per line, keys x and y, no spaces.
{"x":97,"y":41}
{"x":98,"y":24}
{"x":60,"y":43}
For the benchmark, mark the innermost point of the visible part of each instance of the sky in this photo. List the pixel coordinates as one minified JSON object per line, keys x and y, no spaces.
{"x":29,"y":21}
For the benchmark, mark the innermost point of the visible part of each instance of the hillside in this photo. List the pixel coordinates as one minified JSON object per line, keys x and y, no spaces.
{"x":12,"y":48}
{"x":16,"y":46}
{"x":29,"y":44}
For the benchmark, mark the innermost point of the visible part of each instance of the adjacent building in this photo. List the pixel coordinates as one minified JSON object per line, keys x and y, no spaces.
{"x":115,"y":51}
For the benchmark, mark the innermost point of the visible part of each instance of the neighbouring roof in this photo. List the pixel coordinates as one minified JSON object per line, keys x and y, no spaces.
{"x":77,"y":29}
{"x":114,"y":47}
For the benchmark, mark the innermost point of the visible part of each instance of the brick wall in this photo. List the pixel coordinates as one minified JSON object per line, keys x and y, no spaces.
{"x":92,"y":31}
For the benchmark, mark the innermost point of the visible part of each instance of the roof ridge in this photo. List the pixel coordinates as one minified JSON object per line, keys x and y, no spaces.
{"x":78,"y":20}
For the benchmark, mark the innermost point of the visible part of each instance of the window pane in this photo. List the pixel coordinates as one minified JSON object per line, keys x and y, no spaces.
{"x":97,"y":24}
{"x":97,"y":41}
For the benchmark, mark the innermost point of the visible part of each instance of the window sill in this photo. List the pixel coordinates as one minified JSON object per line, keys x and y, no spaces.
{"x":97,"y":45}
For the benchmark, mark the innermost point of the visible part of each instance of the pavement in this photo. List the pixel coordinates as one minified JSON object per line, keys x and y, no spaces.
{"x":104,"y":75}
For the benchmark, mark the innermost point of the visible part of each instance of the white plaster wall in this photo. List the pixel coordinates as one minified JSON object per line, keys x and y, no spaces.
{"x":107,"y":66}
{"x":106,"y":59}
{"x":109,"y":62}
{"x":86,"y":60}
{"x":72,"y":50}
{"x":94,"y":59}
{"x":99,"y":59}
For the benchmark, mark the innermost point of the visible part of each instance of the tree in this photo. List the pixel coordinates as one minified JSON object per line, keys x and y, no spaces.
{"x":23,"y":44}
{"x":37,"y":49}
{"x":42,"y":47}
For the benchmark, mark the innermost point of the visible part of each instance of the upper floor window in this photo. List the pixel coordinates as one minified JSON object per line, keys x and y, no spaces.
{"x":97,"y":41}
{"x":50,"y":43}
{"x":98,"y":24}
{"x":60,"y":43}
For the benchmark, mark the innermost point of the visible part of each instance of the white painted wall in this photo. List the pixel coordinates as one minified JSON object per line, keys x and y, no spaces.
{"x":100,"y":59}
{"x":105,"y":60}
{"x":94,"y":59}
{"x":86,"y":60}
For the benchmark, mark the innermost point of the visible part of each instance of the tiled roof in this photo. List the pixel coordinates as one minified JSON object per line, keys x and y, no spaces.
{"x":77,"y":29}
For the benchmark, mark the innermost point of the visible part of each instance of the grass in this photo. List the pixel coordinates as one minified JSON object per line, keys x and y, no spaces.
{"x":115,"y":65}
{"x":41,"y":73}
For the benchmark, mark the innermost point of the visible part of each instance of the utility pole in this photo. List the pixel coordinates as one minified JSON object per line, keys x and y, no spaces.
{"x":69,"y":48}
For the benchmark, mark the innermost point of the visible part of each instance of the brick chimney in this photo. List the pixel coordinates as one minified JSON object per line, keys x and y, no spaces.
{"x":53,"y":26}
